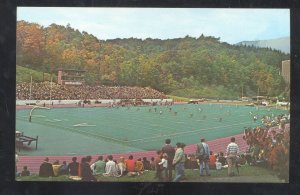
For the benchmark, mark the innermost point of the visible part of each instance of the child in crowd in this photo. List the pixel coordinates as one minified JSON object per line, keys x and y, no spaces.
{"x":152,"y":164}
{"x":25,"y":172}
{"x":164,"y":163}
{"x":158,"y":167}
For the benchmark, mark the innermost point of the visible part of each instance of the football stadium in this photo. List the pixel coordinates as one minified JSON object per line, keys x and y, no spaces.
{"x":89,"y":106}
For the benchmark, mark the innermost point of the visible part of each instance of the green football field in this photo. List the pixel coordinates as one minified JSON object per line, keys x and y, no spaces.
{"x":75,"y":131}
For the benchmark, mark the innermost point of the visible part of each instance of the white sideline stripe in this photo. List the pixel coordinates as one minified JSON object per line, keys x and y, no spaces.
{"x":83,"y":125}
{"x":57,"y":119}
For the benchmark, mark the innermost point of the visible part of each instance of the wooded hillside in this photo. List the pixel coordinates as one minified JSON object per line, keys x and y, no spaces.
{"x":190,"y":67}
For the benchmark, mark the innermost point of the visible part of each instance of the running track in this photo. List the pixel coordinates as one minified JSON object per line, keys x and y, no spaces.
{"x":33,"y":162}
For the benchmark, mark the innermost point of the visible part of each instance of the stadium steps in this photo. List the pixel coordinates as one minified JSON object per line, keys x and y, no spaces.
{"x":33,"y":162}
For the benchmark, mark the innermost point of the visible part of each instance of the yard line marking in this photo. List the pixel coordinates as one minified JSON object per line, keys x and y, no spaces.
{"x":57,"y":119}
{"x":83,"y":125}
{"x":38,"y":116}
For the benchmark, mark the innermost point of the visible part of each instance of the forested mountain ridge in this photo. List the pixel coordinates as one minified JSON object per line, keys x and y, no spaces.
{"x":282,"y":44}
{"x":191,"y":67}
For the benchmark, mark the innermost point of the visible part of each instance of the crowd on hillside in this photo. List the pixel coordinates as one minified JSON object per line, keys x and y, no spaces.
{"x":269,"y":147}
{"x":46,"y":90}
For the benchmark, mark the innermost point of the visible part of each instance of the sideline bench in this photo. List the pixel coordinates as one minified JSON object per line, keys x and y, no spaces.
{"x":21,"y":139}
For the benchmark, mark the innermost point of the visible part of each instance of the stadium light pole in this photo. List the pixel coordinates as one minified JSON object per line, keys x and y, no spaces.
{"x":51,"y":88}
{"x":30,"y":87}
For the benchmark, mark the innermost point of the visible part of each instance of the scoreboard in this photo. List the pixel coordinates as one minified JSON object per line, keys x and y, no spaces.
{"x":70,"y":77}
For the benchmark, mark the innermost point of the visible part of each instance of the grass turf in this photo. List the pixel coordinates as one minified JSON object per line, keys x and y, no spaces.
{"x":74,"y":131}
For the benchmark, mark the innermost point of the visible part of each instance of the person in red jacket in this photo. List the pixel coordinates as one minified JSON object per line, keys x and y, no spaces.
{"x":212,"y":160}
{"x":130,"y":164}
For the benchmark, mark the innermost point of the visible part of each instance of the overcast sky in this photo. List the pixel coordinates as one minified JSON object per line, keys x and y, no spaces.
{"x":231,"y":25}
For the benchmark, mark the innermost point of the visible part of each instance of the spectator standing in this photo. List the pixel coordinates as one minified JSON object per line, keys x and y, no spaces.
{"x":202,"y":153}
{"x":73,"y":167}
{"x":46,"y":169}
{"x":16,"y":161}
{"x":178,"y":162}
{"x":170,"y":151}
{"x":232,"y":151}
{"x":25,"y":172}
{"x":212,"y":160}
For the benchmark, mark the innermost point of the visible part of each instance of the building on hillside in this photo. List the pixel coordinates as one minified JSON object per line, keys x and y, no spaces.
{"x":286,"y":71}
{"x":70,"y":77}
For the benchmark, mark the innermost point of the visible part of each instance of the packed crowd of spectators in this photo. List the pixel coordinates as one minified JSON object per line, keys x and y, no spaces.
{"x":86,"y":170}
{"x":45,"y":90}
{"x":269,"y":146}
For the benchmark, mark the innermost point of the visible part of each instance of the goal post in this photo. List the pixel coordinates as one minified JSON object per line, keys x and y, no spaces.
{"x":33,"y":108}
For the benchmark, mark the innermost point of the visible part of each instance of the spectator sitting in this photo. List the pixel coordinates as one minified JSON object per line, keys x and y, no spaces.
{"x":241,"y":160}
{"x":99,"y":166}
{"x":212,"y":160}
{"x":25,"y":172}
{"x":222,"y":159}
{"x":152,"y":164}
{"x":86,"y":172}
{"x":63,"y":170}
{"x":111,"y":168}
{"x":187,"y":163}
{"x":139,"y":166}
{"x":122,"y":166}
{"x":56,"y":167}
{"x":46,"y":169}
{"x":130,"y":164}
{"x":193,"y":162}
{"x":73,"y":167}
{"x":146,"y":164}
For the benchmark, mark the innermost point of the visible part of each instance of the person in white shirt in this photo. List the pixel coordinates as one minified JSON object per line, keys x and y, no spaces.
{"x":164,"y":163}
{"x":111,"y":168}
{"x":232,"y":151}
